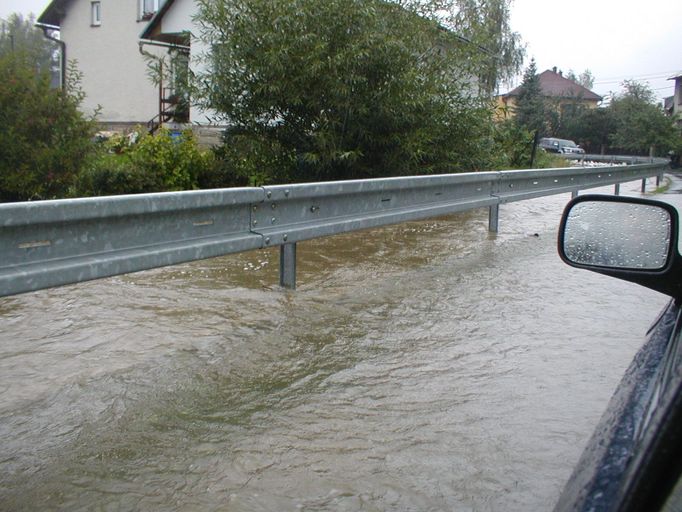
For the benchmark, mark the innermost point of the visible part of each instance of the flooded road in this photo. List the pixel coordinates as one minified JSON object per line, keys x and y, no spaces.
{"x":424,"y":366}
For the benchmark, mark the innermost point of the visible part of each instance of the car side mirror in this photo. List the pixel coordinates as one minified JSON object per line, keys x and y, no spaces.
{"x":629,"y":238}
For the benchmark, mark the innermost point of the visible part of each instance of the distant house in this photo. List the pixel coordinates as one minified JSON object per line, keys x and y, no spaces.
{"x":563,"y":93}
{"x":673,"y":104}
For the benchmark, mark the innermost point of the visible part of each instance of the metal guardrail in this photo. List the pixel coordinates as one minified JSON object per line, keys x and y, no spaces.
{"x":51,"y":243}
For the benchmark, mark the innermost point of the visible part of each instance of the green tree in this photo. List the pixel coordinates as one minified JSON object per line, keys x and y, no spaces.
{"x":586,"y":78}
{"x":531,"y":111}
{"x":44,"y":139}
{"x":638,"y":122}
{"x":590,"y":127}
{"x":341,"y":89}
{"x":19,"y":34}
{"x":486,"y":24}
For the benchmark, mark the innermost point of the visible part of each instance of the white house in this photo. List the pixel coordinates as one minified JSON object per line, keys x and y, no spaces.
{"x":102,"y":37}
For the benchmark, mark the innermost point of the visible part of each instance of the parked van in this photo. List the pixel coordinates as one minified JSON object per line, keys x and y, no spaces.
{"x":560,"y":145}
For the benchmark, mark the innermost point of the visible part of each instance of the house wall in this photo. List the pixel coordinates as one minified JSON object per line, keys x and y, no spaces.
{"x":506,"y":105}
{"x":114,"y":71}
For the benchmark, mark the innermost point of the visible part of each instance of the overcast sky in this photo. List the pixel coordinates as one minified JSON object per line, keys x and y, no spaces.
{"x":615,"y":39}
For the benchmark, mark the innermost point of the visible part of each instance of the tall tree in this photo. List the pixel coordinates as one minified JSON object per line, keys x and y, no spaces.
{"x":19,"y":35}
{"x":531,"y":111}
{"x":586,"y":78}
{"x":639,"y":123}
{"x":486,"y":24}
{"x":342,"y":88}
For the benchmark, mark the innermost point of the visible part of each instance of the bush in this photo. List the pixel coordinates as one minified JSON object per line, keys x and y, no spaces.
{"x":44,"y":138}
{"x":153,"y":163}
{"x":513,"y":145}
{"x":340,"y":90}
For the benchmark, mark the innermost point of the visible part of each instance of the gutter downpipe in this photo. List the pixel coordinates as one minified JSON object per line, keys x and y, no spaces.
{"x":62,"y":46}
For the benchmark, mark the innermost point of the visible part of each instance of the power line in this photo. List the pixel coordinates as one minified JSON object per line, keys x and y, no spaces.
{"x":651,"y":76}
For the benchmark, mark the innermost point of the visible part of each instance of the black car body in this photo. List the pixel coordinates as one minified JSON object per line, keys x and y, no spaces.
{"x":633,"y":461}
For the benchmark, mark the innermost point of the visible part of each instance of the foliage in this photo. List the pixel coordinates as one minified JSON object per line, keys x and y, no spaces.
{"x":19,"y":35}
{"x":513,"y":149}
{"x":513,"y":145}
{"x":531,"y":111}
{"x":638,"y":122}
{"x":586,"y":78}
{"x":547,"y":160}
{"x":44,"y":139}
{"x":252,"y":160}
{"x":146,"y":163}
{"x":590,"y":128}
{"x":486,"y":24}
{"x":632,"y":123}
{"x":340,"y":89}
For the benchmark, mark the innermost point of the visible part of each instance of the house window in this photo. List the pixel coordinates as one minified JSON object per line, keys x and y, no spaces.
{"x":96,"y":14}
{"x":148,"y":8}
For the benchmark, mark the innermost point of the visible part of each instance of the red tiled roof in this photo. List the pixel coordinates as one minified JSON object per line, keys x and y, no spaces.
{"x":557,"y":86}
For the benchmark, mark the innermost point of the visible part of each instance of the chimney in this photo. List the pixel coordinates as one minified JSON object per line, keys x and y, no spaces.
{"x":554,"y":69}
{"x":561,"y":73}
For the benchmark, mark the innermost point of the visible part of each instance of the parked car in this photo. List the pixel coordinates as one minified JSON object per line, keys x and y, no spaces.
{"x":554,"y":145}
{"x":634,"y":460}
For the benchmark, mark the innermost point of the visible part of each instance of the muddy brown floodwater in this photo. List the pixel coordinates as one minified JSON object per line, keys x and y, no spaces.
{"x":426,"y":366}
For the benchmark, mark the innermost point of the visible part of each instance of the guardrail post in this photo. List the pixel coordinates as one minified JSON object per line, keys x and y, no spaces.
{"x":493,"y":217}
{"x":574,"y":194}
{"x":287,"y":266}
{"x":659,"y":178}
{"x":616,"y":189}
{"x":643,"y":185}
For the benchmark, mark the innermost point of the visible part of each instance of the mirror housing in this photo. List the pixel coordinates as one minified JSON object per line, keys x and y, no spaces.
{"x":625,"y":237}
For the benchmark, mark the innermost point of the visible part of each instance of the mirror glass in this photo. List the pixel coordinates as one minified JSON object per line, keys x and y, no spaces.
{"x":617,"y":235}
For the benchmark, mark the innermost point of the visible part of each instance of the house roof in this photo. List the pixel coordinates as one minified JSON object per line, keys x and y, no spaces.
{"x":153,"y":29}
{"x":556,"y":85}
{"x":54,"y":13}
{"x":675,"y":77}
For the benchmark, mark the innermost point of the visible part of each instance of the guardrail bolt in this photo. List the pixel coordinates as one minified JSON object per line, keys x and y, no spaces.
{"x":269,"y":194}
{"x":255,"y":222}
{"x":267,"y":241}
{"x":255,"y":208}
{"x":285,"y":237}
{"x":314,"y":208}
{"x":273,"y":220}
{"x":286,"y":193}
{"x":273,"y":206}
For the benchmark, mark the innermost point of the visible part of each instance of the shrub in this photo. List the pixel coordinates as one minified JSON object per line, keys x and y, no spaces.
{"x":340,"y":90}
{"x":513,"y":145}
{"x":161,"y":162}
{"x":44,"y":138}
